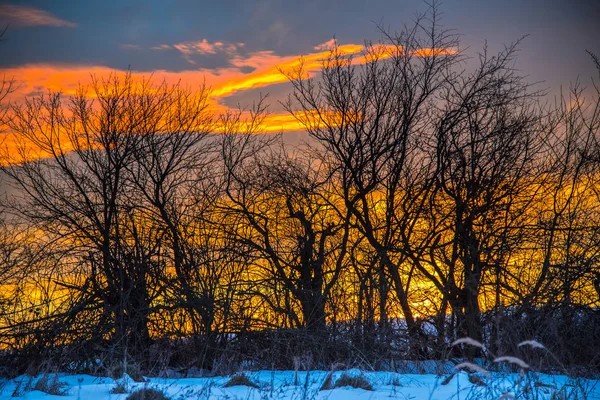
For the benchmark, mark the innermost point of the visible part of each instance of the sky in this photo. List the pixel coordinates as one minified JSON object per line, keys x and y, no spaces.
{"x":236,"y":46}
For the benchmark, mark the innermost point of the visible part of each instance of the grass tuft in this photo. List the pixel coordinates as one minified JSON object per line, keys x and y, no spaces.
{"x":147,"y":394}
{"x":50,"y":384}
{"x":119,"y":388}
{"x":395,"y":381}
{"x":240,"y":380}
{"x":328,"y":382}
{"x":357,"y":382}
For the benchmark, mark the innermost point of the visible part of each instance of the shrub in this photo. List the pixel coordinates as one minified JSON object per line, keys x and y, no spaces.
{"x":116,"y":370}
{"x":147,"y":394}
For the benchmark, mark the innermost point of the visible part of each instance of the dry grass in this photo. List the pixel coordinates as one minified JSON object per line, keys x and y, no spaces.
{"x":51,"y":385}
{"x":395,"y":381}
{"x":240,"y":380}
{"x":119,"y":388}
{"x":327,"y":383}
{"x":147,"y":394}
{"x":357,"y":382}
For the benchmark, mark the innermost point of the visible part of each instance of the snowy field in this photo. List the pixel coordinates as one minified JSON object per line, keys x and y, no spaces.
{"x":308,"y":385}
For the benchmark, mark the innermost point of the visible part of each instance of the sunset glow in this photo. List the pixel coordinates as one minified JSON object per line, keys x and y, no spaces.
{"x":268,"y":69}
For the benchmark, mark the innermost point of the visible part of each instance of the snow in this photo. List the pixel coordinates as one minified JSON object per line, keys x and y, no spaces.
{"x":306,"y":385}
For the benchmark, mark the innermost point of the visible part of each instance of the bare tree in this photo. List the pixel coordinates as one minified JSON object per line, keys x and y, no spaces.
{"x":371,"y":120}
{"x":488,"y":138}
{"x":172,"y":159}
{"x":281,"y":208}
{"x":83,"y":195}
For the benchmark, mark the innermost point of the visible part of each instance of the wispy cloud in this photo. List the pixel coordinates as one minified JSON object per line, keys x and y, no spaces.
{"x":162,"y":47}
{"x":325,"y":46}
{"x":201,"y":47}
{"x":24,"y":16}
{"x":129,"y":46}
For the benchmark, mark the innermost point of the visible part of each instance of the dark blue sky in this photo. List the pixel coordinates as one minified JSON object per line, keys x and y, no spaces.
{"x":559,"y":31}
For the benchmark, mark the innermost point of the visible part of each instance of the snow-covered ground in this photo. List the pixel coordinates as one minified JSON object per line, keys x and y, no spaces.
{"x":307,"y":385}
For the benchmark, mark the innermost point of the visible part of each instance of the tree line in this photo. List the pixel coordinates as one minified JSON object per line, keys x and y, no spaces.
{"x":438,"y":196}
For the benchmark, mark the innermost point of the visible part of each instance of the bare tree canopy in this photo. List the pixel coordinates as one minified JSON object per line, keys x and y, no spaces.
{"x":439,"y":196}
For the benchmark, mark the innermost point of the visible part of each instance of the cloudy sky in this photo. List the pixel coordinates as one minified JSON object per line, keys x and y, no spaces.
{"x":238,"y":46}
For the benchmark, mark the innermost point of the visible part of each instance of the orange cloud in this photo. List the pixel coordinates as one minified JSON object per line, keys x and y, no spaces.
{"x":28,"y":16}
{"x":39,"y":78}
{"x":266,"y":65}
{"x":14,"y":151}
{"x":435,"y":52}
{"x":275,"y":123}
{"x":268,"y":68}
